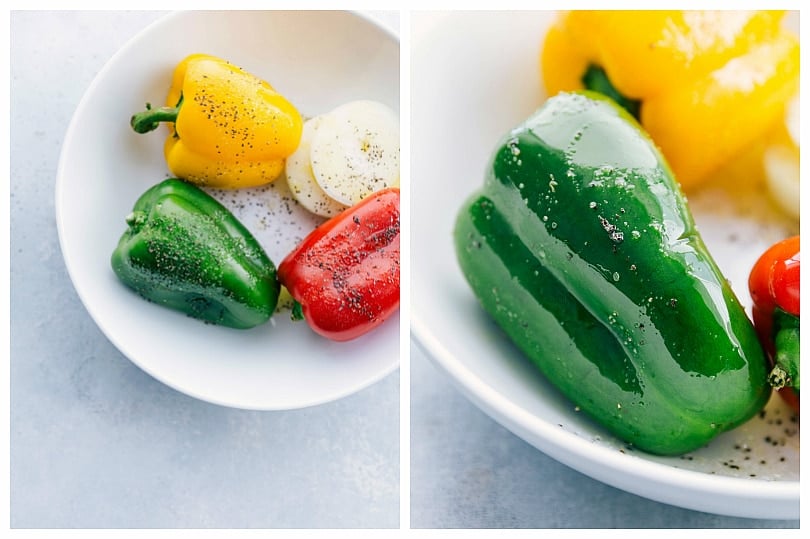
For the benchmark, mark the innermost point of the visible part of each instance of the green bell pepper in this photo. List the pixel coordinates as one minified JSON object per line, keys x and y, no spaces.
{"x":184,"y":250}
{"x":581,"y":247}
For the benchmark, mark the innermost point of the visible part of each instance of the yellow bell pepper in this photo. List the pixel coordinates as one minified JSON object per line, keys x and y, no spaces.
{"x":705,"y":85}
{"x":228,"y":128}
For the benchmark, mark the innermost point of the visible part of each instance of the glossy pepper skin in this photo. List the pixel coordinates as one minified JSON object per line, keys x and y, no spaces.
{"x":705,"y":85}
{"x":774,"y":284}
{"x":182,"y":249}
{"x":581,"y":247}
{"x":228,"y":128}
{"x":345,"y":274}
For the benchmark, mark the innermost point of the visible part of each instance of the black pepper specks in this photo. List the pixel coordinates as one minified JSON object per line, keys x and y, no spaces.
{"x":615,"y":235}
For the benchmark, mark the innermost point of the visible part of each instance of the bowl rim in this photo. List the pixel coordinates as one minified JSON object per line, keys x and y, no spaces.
{"x":571,"y":449}
{"x":168,"y":18}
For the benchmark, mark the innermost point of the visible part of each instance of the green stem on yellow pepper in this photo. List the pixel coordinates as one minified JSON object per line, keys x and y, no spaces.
{"x":150,"y":119}
{"x":596,"y":79}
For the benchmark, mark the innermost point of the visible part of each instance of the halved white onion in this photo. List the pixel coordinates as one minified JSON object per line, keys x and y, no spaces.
{"x":301,"y":180}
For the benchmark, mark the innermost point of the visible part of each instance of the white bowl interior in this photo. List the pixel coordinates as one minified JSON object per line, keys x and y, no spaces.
{"x":318,"y":60}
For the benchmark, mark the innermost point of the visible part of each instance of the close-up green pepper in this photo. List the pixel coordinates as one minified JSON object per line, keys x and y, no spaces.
{"x":184,"y":250}
{"x":581,"y":247}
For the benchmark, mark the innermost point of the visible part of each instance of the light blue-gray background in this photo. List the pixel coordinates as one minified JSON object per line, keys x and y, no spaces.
{"x":95,"y":442}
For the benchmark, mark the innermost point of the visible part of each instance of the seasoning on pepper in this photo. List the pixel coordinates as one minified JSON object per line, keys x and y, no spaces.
{"x":704,"y":84}
{"x":228,"y":128}
{"x":184,"y":250}
{"x":345,"y":274}
{"x":581,"y":247}
{"x":774,"y":287}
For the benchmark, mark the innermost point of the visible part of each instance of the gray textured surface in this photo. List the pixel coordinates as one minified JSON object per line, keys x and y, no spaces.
{"x":469,"y":472}
{"x":95,"y":442}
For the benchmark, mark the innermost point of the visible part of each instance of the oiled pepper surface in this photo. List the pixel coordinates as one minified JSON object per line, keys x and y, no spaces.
{"x":581,"y":247}
{"x":184,"y":250}
{"x":345,"y":273}
{"x":227,"y":128}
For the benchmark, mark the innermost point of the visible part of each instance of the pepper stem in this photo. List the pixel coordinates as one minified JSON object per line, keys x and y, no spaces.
{"x":297,"y":312}
{"x":135,"y":219}
{"x":786,"y":359}
{"x":150,"y":119}
{"x":595,"y":78}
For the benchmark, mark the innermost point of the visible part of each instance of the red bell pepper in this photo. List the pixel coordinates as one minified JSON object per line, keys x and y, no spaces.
{"x":345,"y":274}
{"x":774,"y":287}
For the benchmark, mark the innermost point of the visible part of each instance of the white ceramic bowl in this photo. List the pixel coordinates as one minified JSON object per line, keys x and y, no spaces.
{"x":318,"y":60}
{"x":475,"y":76}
